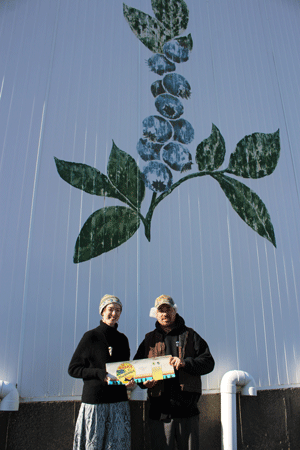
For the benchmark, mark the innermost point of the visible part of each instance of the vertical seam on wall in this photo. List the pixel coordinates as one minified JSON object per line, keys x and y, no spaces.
{"x":233,"y":294}
{"x":33,"y":204}
{"x":25,"y":289}
{"x":284,"y":113}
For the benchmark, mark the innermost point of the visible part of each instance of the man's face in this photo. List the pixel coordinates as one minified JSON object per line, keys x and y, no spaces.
{"x":165,"y":315}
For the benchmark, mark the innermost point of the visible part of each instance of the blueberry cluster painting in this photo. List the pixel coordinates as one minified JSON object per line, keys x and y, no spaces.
{"x":165,"y":148}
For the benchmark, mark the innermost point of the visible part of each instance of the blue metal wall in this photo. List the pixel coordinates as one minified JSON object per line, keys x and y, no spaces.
{"x":73,"y":78}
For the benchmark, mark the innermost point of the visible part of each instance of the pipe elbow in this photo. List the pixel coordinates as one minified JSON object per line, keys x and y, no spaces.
{"x":238,"y":378}
{"x":9,"y":397}
{"x":249,"y":387}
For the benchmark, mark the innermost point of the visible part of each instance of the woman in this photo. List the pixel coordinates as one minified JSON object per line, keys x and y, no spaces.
{"x":104,"y":419}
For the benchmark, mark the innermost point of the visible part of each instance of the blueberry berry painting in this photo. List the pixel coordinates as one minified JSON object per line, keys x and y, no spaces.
{"x":167,"y":147}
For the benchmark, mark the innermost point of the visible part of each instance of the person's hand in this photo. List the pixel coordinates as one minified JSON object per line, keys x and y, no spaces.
{"x":130,"y":384}
{"x":176,"y":362}
{"x":109,"y":378}
{"x":150,"y":383}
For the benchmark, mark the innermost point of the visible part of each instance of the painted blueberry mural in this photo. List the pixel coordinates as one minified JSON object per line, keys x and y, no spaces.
{"x":164,"y":148}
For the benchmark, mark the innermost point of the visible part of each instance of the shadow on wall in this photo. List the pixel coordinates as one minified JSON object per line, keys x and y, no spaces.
{"x":268,"y":421}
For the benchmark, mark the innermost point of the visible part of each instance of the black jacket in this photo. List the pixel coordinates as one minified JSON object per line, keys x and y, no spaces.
{"x":175,"y":397}
{"x":89,"y":359}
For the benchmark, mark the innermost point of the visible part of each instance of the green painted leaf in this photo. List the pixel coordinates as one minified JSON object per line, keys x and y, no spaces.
{"x":255,"y":155}
{"x":125,"y":175}
{"x":86,"y":178}
{"x":105,"y":230}
{"x":147,"y":29}
{"x":248,"y":205}
{"x":173,"y":14}
{"x":210,"y":153}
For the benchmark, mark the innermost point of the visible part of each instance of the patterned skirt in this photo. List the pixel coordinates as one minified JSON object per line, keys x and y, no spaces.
{"x":103,"y":427}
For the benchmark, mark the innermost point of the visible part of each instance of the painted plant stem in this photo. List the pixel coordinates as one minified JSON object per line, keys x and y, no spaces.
{"x":155,"y":201}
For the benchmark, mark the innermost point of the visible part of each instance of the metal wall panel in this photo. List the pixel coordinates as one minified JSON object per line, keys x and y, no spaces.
{"x":73,"y":79}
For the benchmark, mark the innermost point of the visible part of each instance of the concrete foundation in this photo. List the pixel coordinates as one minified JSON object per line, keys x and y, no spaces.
{"x":269,"y":421}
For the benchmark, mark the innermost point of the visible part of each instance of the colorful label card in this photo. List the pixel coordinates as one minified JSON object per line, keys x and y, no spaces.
{"x":140,"y":370}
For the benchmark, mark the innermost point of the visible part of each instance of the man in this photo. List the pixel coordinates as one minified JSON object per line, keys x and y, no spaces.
{"x":174,"y":413}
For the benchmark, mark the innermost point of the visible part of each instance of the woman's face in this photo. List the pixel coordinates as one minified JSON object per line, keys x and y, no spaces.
{"x":111,"y":314}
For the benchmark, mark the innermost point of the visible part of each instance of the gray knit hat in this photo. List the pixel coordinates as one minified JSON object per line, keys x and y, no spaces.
{"x":107,"y":300}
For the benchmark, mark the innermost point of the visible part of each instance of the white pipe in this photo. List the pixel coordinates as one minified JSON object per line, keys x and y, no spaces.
{"x":230,"y":381}
{"x":9,"y":397}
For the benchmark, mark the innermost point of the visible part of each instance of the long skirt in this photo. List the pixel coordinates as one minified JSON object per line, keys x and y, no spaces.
{"x":103,"y":427}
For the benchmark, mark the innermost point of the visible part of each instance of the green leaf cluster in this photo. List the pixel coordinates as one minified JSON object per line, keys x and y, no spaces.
{"x":255,"y":156}
{"x":171,"y":20}
{"x":108,"y":227}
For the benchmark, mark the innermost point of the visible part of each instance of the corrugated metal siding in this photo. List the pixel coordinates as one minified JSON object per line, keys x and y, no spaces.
{"x":73,"y":78}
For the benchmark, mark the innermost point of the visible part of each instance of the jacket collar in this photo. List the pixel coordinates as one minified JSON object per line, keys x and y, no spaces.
{"x":178,"y":326}
{"x":106,"y":329}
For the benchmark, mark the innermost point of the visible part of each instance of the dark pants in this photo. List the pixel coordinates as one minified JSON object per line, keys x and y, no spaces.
{"x":185,"y":432}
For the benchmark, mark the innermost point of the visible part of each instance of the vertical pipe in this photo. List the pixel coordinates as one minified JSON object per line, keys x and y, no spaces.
{"x":228,"y":389}
{"x":228,"y":421}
